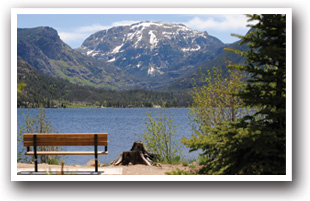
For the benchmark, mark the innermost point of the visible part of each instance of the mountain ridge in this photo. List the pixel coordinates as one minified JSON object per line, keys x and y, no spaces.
{"x":144,"y":55}
{"x":42,"y":48}
{"x":150,"y":49}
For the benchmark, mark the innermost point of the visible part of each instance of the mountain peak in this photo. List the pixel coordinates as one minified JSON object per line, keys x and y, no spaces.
{"x":147,"y":48}
{"x":159,"y":24}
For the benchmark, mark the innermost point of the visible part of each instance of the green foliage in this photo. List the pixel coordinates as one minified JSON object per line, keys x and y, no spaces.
{"x":178,"y":171}
{"x":20,"y":87}
{"x":216,"y":100}
{"x":214,"y":104}
{"x":254,"y":143}
{"x":38,"y":123}
{"x":192,"y":166}
{"x":266,"y":90}
{"x":159,"y":137}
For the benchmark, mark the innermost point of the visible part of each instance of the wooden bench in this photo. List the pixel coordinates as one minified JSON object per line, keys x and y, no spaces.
{"x":65,"y":139}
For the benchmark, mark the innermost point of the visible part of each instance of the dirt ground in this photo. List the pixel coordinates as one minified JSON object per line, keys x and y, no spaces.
{"x":159,"y":169}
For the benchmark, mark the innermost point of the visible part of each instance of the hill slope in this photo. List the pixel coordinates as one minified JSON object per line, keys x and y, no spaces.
{"x":221,"y":61}
{"x":42,"y":48}
{"x":55,"y":92}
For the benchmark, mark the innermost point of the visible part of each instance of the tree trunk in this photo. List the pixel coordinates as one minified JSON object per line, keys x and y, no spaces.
{"x":137,"y":155}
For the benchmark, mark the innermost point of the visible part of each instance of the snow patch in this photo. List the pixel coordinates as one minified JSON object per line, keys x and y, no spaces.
{"x":183,"y":28}
{"x":143,"y":25}
{"x":139,"y":64}
{"x":151,"y":71}
{"x":89,"y":52}
{"x":111,"y":60}
{"x":96,"y":53}
{"x":191,"y":49}
{"x":153,"y":39}
{"x":139,"y":38}
{"x":116,"y":50}
{"x":92,"y":53}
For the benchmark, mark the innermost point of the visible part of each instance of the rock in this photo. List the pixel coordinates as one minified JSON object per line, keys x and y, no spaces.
{"x":158,"y":165}
{"x":91,"y":163}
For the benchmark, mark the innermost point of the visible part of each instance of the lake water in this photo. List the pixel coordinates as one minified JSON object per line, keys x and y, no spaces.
{"x":121,"y":124}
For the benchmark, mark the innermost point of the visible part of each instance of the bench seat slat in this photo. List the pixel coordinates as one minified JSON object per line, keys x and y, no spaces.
{"x":49,"y":138}
{"x":67,"y":153}
{"x":66,"y":135}
{"x":65,"y":143}
{"x":66,"y":139}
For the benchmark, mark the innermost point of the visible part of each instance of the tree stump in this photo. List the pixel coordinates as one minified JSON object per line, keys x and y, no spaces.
{"x":137,"y":155}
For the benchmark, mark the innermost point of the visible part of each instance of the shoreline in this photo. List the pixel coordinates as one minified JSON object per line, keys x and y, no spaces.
{"x":104,"y":107}
{"x":138,"y":169}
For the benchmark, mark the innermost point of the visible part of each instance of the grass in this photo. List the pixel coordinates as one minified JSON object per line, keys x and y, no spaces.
{"x":177,"y":161}
{"x":192,"y":166}
{"x":181,"y":172}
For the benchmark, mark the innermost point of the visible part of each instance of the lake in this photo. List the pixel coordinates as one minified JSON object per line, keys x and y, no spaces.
{"x":122,"y":125}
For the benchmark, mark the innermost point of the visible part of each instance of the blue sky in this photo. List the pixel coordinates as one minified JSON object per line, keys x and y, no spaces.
{"x":73,"y":29}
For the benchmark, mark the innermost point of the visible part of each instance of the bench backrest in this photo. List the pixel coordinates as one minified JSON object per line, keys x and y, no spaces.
{"x":65,"y":139}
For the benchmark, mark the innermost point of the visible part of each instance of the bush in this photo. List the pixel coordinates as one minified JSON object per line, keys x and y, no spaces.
{"x":38,"y":123}
{"x":159,"y":137}
{"x":177,"y":171}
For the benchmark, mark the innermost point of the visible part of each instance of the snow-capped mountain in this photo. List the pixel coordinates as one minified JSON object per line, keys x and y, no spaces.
{"x":152,"y":49}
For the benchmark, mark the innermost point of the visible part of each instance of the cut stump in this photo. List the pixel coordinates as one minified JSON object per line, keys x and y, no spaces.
{"x":137,"y":155}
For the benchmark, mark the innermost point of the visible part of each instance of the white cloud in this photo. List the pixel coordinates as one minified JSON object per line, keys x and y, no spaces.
{"x":72,"y":36}
{"x":91,"y":29}
{"x":79,"y":34}
{"x":218,"y":22}
{"x":123,"y":23}
{"x":98,"y":27}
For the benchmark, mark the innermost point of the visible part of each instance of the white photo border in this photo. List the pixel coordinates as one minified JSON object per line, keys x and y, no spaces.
{"x":289,"y":168}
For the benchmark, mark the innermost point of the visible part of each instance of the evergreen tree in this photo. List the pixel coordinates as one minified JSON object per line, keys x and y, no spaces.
{"x":266,"y":91}
{"x":255,"y":143}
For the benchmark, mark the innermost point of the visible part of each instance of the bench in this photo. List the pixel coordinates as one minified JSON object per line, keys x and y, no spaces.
{"x":65,"y":139}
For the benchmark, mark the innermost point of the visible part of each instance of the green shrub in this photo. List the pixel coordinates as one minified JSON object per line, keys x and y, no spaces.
{"x":159,"y":138}
{"x":38,"y":123}
{"x":178,"y":171}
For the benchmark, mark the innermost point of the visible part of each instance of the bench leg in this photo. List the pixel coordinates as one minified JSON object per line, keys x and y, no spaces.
{"x":96,"y":165}
{"x":35,"y":153}
{"x":96,"y":153}
{"x":36,"y":165}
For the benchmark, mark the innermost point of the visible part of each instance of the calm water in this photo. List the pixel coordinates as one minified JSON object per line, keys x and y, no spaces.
{"x":122,"y":126}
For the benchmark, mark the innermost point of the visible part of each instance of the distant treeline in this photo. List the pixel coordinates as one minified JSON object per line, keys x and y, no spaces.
{"x":49,"y":92}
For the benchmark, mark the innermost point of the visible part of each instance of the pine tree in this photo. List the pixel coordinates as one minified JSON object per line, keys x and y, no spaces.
{"x":266,"y":91}
{"x":255,"y":143}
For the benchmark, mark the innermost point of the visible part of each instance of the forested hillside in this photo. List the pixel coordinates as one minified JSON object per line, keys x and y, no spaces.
{"x":54,"y":92}
{"x":220,"y":62}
